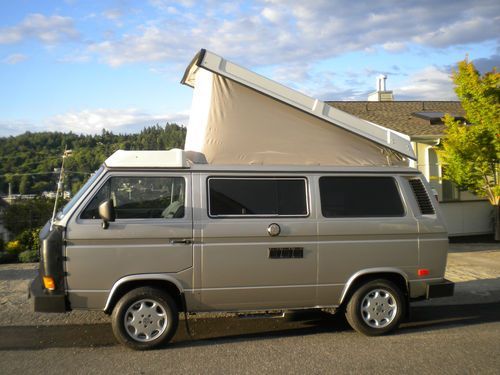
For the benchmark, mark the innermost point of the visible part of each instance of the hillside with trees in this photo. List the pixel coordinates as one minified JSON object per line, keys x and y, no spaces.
{"x":30,"y":161}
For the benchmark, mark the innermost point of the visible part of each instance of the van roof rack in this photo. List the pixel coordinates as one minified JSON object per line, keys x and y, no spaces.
{"x":174,"y":158}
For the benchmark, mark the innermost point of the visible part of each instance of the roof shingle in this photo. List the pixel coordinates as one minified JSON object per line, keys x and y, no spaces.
{"x":397,"y":115}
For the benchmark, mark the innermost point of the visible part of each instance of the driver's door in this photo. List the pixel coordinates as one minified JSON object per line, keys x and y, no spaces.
{"x":152,"y":233}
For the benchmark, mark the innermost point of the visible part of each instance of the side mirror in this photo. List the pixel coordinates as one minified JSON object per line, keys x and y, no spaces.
{"x":107,"y":213}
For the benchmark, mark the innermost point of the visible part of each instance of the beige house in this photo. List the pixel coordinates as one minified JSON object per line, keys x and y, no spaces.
{"x":465,"y":213}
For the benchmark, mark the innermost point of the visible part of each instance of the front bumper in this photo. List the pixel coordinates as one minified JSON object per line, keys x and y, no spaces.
{"x":445,"y":288}
{"x":45,"y":301}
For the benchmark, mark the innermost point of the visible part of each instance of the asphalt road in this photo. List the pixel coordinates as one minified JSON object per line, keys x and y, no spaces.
{"x":453,"y":339}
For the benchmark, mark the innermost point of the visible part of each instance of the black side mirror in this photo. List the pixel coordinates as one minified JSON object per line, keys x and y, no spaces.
{"x":107,"y":213}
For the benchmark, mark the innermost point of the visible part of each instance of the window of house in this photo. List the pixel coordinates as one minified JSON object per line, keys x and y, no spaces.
{"x":140,"y":198}
{"x":257,"y":197}
{"x":360,"y":197}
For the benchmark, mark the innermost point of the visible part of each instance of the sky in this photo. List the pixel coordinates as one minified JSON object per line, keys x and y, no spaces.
{"x":84,"y":66}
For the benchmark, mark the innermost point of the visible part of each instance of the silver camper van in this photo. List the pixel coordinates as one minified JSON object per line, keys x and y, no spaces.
{"x":153,"y":233}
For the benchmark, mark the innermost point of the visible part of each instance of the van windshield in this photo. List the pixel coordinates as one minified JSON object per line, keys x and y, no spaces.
{"x":78,"y":195}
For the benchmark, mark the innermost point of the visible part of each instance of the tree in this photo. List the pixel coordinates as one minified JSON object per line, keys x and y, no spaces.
{"x":471,"y":151}
{"x":36,"y":155}
{"x":27,"y":214}
{"x":24,"y":185}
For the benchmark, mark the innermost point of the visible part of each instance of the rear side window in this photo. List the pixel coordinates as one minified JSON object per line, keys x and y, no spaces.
{"x":360,"y":197}
{"x":257,"y":197}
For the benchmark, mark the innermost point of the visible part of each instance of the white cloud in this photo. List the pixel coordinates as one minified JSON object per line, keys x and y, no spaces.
{"x":47,"y":29}
{"x":166,"y":5}
{"x":465,"y":31}
{"x":154,"y":44}
{"x":273,"y":15}
{"x":15,"y":58}
{"x":115,"y":120}
{"x":14,"y":127}
{"x":394,"y":46}
{"x":427,"y":84}
{"x":113,"y":14}
{"x":269,"y":32}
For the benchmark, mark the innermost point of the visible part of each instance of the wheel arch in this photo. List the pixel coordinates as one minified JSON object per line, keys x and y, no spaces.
{"x":163,"y":282}
{"x":356,"y":280}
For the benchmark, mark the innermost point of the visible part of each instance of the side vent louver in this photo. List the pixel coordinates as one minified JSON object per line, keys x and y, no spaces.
{"x":424,"y":202}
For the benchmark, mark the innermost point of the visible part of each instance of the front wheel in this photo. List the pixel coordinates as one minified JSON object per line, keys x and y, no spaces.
{"x":145,"y":318}
{"x":376,"y":308}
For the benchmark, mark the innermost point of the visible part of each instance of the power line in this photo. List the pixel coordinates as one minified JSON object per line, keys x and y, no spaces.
{"x":39,"y":173}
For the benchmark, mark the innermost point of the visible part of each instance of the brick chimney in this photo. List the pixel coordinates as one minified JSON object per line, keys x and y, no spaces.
{"x":381,"y":95}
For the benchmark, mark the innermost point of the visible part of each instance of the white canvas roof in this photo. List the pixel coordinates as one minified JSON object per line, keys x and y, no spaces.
{"x":241,"y":117}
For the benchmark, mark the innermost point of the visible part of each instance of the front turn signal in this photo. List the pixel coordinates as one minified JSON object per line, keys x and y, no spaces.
{"x":48,"y":283}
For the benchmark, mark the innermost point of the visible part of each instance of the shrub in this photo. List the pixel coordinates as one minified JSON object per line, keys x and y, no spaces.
{"x":25,"y":246}
{"x":14,"y":247}
{"x":29,"y":239}
{"x":29,"y":256}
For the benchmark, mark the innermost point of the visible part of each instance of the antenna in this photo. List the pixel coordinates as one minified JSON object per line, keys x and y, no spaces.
{"x":67,"y":153}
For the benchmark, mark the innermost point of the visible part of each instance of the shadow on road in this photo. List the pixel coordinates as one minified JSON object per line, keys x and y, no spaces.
{"x":440,"y":317}
{"x":209,"y":331}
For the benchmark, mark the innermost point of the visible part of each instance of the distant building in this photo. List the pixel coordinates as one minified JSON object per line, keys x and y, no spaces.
{"x":52,"y":194}
{"x":465,"y":213}
{"x":14,"y":197}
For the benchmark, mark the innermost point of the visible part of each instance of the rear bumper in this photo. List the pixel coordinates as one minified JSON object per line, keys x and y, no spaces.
{"x":45,"y":301}
{"x":445,"y":288}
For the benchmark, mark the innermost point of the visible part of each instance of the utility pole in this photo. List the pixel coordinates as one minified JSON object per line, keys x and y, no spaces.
{"x":67,"y":153}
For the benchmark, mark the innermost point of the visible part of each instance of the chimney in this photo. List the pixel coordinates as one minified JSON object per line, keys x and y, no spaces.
{"x":381,"y":95}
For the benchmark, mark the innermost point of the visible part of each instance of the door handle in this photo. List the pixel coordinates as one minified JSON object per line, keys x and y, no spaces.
{"x":185,"y":241}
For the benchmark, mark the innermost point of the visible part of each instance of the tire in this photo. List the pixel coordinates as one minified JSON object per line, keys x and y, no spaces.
{"x":376,"y":308}
{"x":145,"y":318}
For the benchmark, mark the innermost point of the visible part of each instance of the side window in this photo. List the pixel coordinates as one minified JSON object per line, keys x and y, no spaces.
{"x":360,"y":197}
{"x":257,"y":196}
{"x":140,"y":198}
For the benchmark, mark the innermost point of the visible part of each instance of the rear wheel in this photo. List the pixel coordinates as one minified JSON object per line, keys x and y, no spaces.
{"x":376,"y":308}
{"x":145,"y":318}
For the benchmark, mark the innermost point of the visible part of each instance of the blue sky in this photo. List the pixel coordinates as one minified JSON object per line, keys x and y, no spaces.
{"x":81,"y":66}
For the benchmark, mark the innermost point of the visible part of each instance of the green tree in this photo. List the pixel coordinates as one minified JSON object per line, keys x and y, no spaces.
{"x":24,"y":184}
{"x":27,"y":214}
{"x":36,"y":155}
{"x":471,"y":153}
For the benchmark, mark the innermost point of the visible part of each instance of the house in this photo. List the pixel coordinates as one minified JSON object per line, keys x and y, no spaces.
{"x":465,"y":213}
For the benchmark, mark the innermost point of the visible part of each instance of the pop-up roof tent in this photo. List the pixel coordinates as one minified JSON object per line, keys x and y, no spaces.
{"x":241,"y":117}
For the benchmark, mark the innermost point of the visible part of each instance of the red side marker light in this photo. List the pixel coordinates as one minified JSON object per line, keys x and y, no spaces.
{"x":423,"y":272}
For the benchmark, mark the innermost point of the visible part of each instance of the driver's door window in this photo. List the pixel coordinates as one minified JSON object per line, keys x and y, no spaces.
{"x":136,"y":197}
